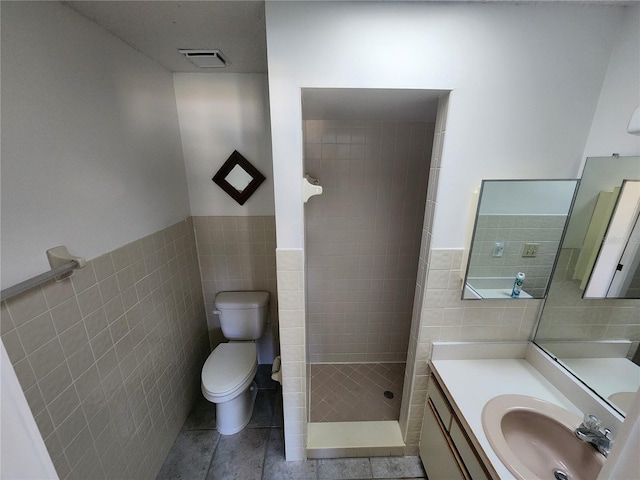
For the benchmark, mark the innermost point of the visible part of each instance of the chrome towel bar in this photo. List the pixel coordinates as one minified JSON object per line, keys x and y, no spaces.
{"x":62,"y":263}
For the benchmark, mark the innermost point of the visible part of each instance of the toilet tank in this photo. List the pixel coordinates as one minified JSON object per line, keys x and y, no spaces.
{"x":243,"y":315}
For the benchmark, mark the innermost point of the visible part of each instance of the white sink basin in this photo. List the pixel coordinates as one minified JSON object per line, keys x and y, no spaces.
{"x":535,"y":439}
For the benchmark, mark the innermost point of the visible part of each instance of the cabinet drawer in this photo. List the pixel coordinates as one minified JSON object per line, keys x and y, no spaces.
{"x":437,"y":454}
{"x":467,"y":452}
{"x":440,"y":404}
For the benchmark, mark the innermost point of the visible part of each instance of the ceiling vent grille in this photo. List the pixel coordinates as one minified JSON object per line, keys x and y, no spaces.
{"x":206,"y":58}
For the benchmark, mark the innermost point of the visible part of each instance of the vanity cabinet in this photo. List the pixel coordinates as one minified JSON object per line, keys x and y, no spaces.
{"x":445,"y":449}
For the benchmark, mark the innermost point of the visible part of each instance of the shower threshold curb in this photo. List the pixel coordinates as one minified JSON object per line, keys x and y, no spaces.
{"x":354,"y":439}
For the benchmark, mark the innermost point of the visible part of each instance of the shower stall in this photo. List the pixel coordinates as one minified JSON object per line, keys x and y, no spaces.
{"x":371,"y":152}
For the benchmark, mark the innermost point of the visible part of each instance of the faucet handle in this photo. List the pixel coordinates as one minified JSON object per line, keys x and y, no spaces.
{"x":591,"y":422}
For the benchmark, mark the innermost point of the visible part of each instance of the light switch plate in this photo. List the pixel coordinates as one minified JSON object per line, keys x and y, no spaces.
{"x":530,"y":249}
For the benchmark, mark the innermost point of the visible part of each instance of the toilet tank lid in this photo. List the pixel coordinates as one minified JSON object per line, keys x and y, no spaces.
{"x":241,"y":300}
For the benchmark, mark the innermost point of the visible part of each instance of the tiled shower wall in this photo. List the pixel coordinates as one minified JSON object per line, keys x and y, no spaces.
{"x":567,"y":316}
{"x":515,"y":231}
{"x":362,"y":236}
{"x":110,"y":359}
{"x":237,"y":253}
{"x":290,"y":264}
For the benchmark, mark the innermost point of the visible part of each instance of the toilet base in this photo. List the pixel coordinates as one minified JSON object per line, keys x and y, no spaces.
{"x":232,"y":416}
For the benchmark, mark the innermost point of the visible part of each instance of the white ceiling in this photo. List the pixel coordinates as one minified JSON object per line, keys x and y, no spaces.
{"x":236,"y":27}
{"x":159,"y":28}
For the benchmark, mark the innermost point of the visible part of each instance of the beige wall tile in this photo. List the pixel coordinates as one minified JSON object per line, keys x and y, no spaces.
{"x":65,"y":326}
{"x":568,"y":316}
{"x":236,"y":253}
{"x":27,"y":306}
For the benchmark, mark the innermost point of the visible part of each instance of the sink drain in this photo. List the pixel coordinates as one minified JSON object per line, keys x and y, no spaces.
{"x":561,"y":474}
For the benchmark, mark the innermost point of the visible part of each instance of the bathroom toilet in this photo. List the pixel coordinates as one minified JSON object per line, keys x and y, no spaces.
{"x":228,"y":373}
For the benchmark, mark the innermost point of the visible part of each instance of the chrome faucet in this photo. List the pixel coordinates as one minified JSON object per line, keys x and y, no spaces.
{"x":589,"y":431}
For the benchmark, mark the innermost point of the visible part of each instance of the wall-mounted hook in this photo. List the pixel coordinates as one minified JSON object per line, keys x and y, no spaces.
{"x":310,"y":187}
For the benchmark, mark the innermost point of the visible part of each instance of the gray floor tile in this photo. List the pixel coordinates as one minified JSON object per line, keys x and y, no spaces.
{"x":263,"y":409}
{"x":202,"y":415}
{"x":263,"y":378}
{"x":257,"y":452}
{"x":344,"y":468}
{"x":239,"y":456}
{"x":190,"y":455}
{"x":397,"y":467}
{"x":278,"y":416}
{"x":277,"y":468}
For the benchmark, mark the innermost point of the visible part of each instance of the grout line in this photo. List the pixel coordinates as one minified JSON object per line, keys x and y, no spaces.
{"x":265,"y":452}
{"x":213,"y":454}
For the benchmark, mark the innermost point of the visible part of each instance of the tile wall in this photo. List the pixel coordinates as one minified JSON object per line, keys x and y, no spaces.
{"x":440,"y":315}
{"x":290,"y":264}
{"x":110,"y":359}
{"x":237,"y":253}
{"x":515,"y":231}
{"x":444,"y":317}
{"x":362,"y":236}
{"x":567,"y":316}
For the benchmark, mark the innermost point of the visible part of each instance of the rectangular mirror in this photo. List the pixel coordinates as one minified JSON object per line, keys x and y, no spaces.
{"x":595,"y":335}
{"x":517,"y":233}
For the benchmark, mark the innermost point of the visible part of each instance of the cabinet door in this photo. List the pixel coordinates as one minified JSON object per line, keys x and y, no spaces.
{"x":467,"y":452}
{"x":436,"y":454}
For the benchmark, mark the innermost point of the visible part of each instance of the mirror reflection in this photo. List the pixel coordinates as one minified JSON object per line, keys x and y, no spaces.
{"x":516,"y":237}
{"x":238,"y":178}
{"x":596,"y":338}
{"x":615,"y":273}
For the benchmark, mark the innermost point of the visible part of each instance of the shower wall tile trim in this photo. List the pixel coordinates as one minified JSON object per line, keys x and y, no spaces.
{"x":110,"y":359}
{"x":290,"y":266}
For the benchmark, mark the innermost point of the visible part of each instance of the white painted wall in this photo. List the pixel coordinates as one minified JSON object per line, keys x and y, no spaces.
{"x":220,"y":113}
{"x":527,"y":198}
{"x":525,"y":82}
{"x":620,"y":94}
{"x":91,"y":153}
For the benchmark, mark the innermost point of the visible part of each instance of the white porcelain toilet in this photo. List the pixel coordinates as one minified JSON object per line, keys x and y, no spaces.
{"x":227,"y":375}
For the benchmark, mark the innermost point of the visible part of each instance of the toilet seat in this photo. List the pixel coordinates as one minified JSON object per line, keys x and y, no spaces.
{"x":229,"y":371}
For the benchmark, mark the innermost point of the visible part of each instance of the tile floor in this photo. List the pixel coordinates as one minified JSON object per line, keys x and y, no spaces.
{"x":346,"y":392}
{"x":257,"y":452}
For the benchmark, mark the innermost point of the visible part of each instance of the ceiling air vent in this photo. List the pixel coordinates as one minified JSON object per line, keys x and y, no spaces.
{"x":205,"y":58}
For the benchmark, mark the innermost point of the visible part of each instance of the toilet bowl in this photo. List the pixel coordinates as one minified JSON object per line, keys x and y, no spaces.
{"x":229,"y":371}
{"x":227,"y":381}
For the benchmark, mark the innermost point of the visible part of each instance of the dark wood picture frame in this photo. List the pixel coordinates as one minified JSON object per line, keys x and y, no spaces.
{"x":220,"y":178}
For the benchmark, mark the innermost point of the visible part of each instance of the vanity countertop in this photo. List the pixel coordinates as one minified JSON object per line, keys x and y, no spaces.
{"x":471,"y":383}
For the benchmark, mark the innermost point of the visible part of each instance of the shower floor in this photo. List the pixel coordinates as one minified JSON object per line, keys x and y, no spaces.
{"x":355,"y":392}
